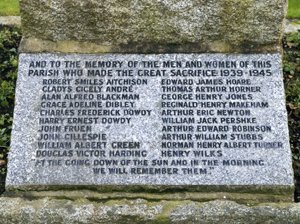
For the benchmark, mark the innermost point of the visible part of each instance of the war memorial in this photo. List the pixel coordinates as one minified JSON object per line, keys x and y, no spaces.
{"x":150,"y":112}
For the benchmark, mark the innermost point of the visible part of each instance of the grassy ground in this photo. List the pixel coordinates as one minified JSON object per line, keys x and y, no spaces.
{"x":9,"y":7}
{"x":294,"y":9}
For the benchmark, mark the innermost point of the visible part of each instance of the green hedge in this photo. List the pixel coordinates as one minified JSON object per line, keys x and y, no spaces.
{"x":291,"y":68}
{"x":9,"y":42}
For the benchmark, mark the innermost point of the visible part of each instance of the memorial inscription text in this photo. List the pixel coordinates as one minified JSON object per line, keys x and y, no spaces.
{"x":159,"y":115}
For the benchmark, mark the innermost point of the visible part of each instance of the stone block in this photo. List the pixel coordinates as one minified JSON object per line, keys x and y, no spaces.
{"x":152,"y":26}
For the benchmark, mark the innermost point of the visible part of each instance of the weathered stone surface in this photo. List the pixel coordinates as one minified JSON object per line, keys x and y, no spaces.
{"x":243,"y":94}
{"x":153,"y":26}
{"x":47,"y":210}
{"x":159,"y":193}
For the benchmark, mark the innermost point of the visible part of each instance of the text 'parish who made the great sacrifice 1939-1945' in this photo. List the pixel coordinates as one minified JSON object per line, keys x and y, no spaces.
{"x":179,"y":119}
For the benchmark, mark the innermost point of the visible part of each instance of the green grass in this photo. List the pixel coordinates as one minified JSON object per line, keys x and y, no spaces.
{"x":9,"y":8}
{"x":294,"y":9}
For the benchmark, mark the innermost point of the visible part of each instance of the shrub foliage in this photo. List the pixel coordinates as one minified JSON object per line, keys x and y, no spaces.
{"x":9,"y":42}
{"x":291,"y":69}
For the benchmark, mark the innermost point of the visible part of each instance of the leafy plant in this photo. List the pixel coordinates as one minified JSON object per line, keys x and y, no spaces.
{"x":291,"y":69}
{"x":9,"y":42}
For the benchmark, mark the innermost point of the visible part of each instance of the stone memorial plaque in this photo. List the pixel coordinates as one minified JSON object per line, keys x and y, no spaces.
{"x":160,"y":119}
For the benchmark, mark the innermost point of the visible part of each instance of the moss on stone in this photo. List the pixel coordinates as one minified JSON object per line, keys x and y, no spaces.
{"x":153,"y":26}
{"x":245,"y":194}
{"x":47,"y":210}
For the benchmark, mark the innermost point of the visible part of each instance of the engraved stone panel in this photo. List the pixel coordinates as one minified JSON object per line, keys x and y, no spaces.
{"x":164,"y":119}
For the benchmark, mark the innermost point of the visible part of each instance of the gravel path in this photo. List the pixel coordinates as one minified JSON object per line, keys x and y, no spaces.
{"x":292,"y":26}
{"x":10,"y":20}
